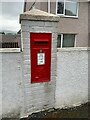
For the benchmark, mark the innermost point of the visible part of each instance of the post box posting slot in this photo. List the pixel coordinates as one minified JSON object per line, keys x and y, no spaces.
{"x":41,"y":42}
{"x":40,"y":45}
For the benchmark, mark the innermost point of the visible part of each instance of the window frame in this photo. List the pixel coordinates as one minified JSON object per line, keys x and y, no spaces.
{"x":62,"y":40}
{"x":63,"y":15}
{"x":49,"y":6}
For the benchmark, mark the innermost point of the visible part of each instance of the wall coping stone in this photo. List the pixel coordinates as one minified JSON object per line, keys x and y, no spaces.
{"x":38,"y":15}
{"x":73,"y":49}
{"x":83,"y":0}
{"x":13,"y":50}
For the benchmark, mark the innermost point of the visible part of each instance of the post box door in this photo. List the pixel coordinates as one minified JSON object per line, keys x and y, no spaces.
{"x":40,"y":44}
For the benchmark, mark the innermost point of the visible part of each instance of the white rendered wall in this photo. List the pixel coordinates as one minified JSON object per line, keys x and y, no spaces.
{"x":0,"y":86}
{"x":10,"y":81}
{"x":18,"y":95}
{"x":72,"y":77}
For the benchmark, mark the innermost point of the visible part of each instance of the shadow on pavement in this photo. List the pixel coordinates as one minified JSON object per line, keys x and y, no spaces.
{"x":77,"y":113}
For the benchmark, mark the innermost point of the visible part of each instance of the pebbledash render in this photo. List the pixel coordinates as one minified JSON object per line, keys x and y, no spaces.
{"x":74,"y":23}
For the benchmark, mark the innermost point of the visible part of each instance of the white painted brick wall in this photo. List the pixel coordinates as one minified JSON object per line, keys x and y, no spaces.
{"x":38,"y":96}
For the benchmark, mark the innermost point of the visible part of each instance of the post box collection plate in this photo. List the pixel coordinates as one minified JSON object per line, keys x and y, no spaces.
{"x":41,"y":58}
{"x":40,"y":49}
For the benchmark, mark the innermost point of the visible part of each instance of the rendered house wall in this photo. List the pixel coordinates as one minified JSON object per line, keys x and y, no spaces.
{"x":70,"y":25}
{"x":78,"y":26}
{"x":89,"y":24}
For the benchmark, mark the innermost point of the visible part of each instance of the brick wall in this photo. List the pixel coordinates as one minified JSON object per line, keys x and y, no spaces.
{"x":38,"y":96}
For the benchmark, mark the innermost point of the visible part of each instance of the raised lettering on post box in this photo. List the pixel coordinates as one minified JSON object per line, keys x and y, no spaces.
{"x":40,"y":49}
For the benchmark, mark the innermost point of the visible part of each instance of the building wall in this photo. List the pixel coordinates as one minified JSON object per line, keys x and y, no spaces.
{"x":43,"y":5}
{"x":78,"y":26}
{"x":89,"y":23}
{"x":72,"y":77}
{"x":29,"y":5}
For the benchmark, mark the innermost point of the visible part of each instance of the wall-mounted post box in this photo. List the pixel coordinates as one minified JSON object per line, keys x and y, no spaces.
{"x":40,"y":45}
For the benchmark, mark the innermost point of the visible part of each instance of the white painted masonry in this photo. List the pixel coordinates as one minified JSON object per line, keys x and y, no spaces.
{"x":0,"y":86}
{"x":71,"y":84}
{"x":38,"y":96}
{"x":72,"y":77}
{"x":10,"y":81}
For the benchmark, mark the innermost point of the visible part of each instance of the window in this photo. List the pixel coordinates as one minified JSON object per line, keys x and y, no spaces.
{"x":66,"y":40}
{"x":67,"y":8}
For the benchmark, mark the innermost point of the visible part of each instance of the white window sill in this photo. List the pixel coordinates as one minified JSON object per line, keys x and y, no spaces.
{"x":65,"y":16}
{"x":11,"y":50}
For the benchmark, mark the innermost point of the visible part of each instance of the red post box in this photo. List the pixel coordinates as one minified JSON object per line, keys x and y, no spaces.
{"x":40,"y":44}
